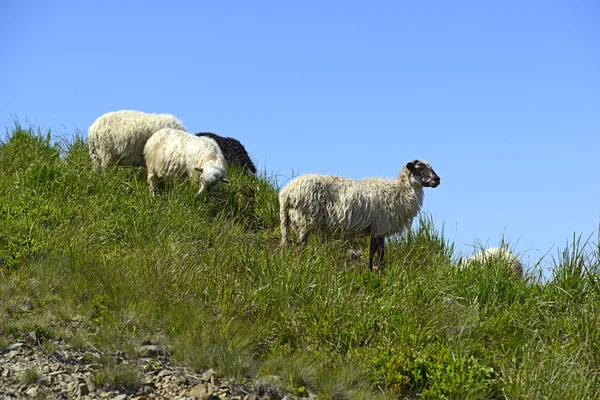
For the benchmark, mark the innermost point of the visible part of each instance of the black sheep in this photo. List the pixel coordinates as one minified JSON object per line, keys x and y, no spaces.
{"x":233,"y":150}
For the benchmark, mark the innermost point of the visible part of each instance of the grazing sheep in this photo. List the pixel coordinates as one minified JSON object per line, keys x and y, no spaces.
{"x":172,"y":154}
{"x":495,"y":253}
{"x":376,"y":207}
{"x":233,"y":150}
{"x":118,"y":137}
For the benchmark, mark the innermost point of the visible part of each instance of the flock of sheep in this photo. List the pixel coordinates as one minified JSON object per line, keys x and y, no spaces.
{"x":310,"y":203}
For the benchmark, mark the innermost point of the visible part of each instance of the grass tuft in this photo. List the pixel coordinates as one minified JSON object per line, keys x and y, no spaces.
{"x":31,"y":376}
{"x":124,"y":378}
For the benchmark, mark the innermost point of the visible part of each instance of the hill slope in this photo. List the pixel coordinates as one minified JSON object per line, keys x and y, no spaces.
{"x":204,"y":278}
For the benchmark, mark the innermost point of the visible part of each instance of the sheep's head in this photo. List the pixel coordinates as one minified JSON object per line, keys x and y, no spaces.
{"x":423,"y":174}
{"x":210,"y":178}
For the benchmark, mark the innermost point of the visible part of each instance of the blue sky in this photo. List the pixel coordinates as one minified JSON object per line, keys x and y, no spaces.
{"x":503,"y":98}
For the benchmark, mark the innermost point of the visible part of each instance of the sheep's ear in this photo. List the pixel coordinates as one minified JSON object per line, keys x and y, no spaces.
{"x":225,"y":180}
{"x":198,"y":169}
{"x":411,"y":166}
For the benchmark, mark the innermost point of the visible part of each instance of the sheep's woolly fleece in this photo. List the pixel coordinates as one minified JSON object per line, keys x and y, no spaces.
{"x":496,"y":253}
{"x":375,"y":206}
{"x":118,"y":137}
{"x":234,"y":152}
{"x":173,"y":154}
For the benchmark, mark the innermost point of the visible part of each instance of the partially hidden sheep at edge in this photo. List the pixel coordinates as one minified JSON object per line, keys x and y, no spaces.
{"x":173,"y":154}
{"x":502,"y":254}
{"x":235,"y":153}
{"x":377,"y":207}
{"x":119,"y":137}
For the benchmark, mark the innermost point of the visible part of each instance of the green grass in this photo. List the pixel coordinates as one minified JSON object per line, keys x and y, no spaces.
{"x":120,"y":377}
{"x":205,"y":278}
{"x":31,"y":376}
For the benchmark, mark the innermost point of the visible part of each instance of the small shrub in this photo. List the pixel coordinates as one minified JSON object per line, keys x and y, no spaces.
{"x":434,"y":372}
{"x":19,"y":248}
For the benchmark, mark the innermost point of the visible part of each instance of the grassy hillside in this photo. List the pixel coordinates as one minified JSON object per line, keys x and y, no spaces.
{"x":204,"y":277}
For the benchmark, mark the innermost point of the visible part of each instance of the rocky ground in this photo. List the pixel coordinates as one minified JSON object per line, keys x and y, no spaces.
{"x":57,"y":370}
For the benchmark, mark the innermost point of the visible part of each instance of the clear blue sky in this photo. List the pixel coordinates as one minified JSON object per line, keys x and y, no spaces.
{"x":503,"y":98}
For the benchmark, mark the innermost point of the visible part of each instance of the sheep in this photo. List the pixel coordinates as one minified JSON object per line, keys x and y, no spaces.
{"x":233,"y":150}
{"x":497,"y":254}
{"x":118,"y":137}
{"x":376,"y":207}
{"x":171,"y":154}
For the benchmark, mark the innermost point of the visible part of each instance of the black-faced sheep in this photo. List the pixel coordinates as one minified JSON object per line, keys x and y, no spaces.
{"x":233,"y":150}
{"x":173,"y":154}
{"x":118,"y":137}
{"x":376,"y":207}
{"x":502,"y":254}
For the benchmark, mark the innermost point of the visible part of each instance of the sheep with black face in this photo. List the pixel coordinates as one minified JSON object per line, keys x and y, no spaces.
{"x":372,"y":207}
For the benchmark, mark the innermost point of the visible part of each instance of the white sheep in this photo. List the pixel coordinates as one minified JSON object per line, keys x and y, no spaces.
{"x":173,"y":154}
{"x":376,"y":207}
{"x":118,"y":137}
{"x":502,"y":254}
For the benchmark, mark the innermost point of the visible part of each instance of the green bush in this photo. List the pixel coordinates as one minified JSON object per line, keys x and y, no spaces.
{"x":433,"y":372}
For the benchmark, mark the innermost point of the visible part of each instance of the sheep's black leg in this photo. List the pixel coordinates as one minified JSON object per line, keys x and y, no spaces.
{"x":381,"y":250}
{"x":376,"y":246}
{"x":372,"y":250}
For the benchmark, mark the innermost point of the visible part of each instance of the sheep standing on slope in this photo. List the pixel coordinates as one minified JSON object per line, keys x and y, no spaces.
{"x":376,"y":207}
{"x":118,"y":137}
{"x":235,"y":153}
{"x":497,"y":254}
{"x":172,"y":154}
